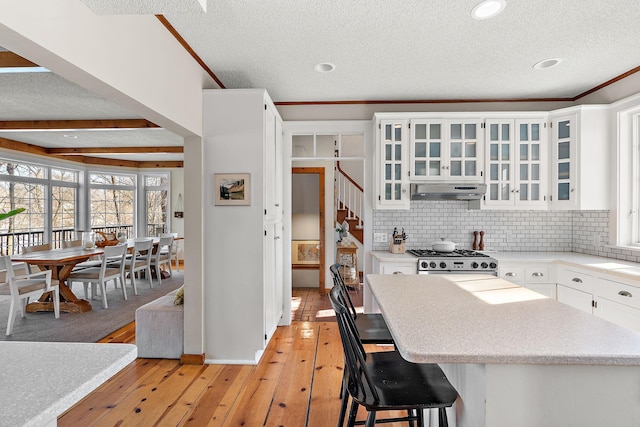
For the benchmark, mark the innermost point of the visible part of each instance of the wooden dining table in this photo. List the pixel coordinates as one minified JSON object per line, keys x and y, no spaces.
{"x":61,"y":263}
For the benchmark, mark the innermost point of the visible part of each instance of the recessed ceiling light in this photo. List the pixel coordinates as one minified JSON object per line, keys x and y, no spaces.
{"x":547,"y":63}
{"x":324,"y":67}
{"x":488,"y":9}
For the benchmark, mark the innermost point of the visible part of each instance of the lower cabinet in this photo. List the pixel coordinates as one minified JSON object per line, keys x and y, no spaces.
{"x":387,"y":264}
{"x":575,"y":298}
{"x":537,"y":276}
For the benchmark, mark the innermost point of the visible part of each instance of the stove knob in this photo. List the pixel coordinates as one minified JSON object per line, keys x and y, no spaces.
{"x":484,"y":265}
{"x":443,"y":265}
{"x":474,"y":265}
{"x":493,"y":265}
{"x":424,"y":264}
{"x":433,"y":264}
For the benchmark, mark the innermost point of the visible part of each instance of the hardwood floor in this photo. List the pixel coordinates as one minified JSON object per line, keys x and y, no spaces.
{"x":296,"y":383}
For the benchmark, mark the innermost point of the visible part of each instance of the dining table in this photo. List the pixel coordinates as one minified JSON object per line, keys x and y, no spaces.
{"x":61,"y":262}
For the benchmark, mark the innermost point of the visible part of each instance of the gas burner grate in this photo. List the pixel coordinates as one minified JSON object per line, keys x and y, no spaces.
{"x":428,"y":253}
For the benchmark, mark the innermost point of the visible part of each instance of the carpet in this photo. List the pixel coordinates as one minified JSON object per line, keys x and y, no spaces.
{"x":90,"y":326}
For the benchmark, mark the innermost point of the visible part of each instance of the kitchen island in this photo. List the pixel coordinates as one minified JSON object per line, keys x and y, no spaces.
{"x":41,"y":380}
{"x":516,"y":357}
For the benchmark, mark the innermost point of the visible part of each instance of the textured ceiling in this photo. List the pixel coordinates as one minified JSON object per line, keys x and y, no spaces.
{"x":383,"y":51}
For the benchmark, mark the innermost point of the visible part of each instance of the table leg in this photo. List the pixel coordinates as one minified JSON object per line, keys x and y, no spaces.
{"x":69,"y":303}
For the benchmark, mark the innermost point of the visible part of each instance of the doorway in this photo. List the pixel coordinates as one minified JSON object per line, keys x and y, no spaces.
{"x":308,"y":227}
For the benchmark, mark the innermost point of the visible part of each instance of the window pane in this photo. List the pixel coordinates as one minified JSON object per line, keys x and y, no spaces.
{"x":456,"y":131}
{"x":302,"y":146}
{"x":398,"y":150}
{"x":535,"y":172}
{"x":505,"y":132}
{"x":524,"y":172}
{"x":524,"y":132}
{"x":524,"y":152}
{"x":398,"y":175}
{"x":387,"y":172}
{"x":564,"y":150}
{"x":421,"y":131}
{"x":397,"y":133}
{"x":470,"y":149}
{"x":504,"y":173}
{"x":434,"y":168}
{"x":434,"y":131}
{"x":493,"y":132}
{"x":563,"y":171}
{"x":493,"y":192}
{"x":157,"y":208}
{"x":64,"y":175}
{"x":420,"y":168}
{"x":563,"y":129}
{"x":535,"y":192}
{"x":434,"y":149}
{"x":563,"y":191}
{"x":506,"y":148}
{"x":387,"y":132}
{"x":523,"y":192}
{"x":493,"y":172}
{"x":387,"y":151}
{"x":535,"y":151}
{"x":387,"y":191}
{"x":456,"y":149}
{"x":421,"y":149}
{"x":470,"y":131}
{"x":455,"y":168}
{"x":398,"y":192}
{"x":470,"y":168}
{"x":24,"y":170}
{"x":535,"y":132}
{"x":493,"y":151}
{"x":506,"y":192}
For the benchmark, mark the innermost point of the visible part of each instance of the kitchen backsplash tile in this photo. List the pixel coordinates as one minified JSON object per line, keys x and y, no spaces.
{"x":518,"y":231}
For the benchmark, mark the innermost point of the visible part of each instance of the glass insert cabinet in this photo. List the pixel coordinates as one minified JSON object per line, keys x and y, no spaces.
{"x":446,"y":149}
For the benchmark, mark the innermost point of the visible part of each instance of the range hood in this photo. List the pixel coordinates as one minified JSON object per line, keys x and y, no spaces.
{"x":449,"y":191}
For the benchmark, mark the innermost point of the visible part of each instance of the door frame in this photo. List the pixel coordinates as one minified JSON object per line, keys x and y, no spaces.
{"x":321,"y":208}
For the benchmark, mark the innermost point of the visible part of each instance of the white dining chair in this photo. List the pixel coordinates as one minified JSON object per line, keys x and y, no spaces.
{"x":173,"y":249}
{"x":162,"y":256}
{"x":139,"y":261}
{"x":111,"y":268}
{"x":19,"y":289}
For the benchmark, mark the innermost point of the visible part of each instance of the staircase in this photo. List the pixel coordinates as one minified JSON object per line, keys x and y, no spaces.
{"x":349,"y":203}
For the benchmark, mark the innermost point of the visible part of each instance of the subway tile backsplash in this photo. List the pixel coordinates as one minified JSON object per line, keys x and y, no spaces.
{"x":517,"y":231}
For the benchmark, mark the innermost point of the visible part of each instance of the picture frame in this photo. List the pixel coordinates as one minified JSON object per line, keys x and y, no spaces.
{"x":305,"y":252}
{"x":232,"y":189}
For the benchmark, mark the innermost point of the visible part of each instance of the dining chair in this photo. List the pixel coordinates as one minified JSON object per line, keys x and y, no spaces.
{"x":94,"y":276}
{"x":93,"y":262}
{"x":371,"y":327}
{"x":36,"y":248}
{"x":161,"y":255}
{"x":174,"y":248}
{"x":18,"y":289}
{"x":138,"y":261}
{"x":385,"y":381}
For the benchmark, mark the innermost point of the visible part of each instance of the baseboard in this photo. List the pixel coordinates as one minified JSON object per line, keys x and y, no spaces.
{"x":192,"y":359}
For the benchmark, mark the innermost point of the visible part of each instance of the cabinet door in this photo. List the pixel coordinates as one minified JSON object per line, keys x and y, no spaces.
{"x":530,"y":144}
{"x":393,"y":174}
{"x":575,"y":298}
{"x":563,"y":174}
{"x":619,"y":314}
{"x":270,"y":162}
{"x":547,"y":289}
{"x":443,"y":149}
{"x":499,"y":152}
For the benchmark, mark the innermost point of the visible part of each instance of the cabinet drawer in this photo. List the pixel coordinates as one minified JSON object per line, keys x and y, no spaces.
{"x":399,"y":269}
{"x":618,"y":292}
{"x":512,"y":274}
{"x":619,"y":314}
{"x":576,"y":280}
{"x":537,"y":275}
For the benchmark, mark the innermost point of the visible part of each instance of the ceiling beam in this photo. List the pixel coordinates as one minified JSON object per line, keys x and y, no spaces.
{"x":80,"y":151}
{"x":10,"y":59}
{"x":69,"y":125}
{"x":41,"y":151}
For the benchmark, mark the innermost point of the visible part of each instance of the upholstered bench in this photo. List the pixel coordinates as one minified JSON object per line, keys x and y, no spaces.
{"x":160,"y":328}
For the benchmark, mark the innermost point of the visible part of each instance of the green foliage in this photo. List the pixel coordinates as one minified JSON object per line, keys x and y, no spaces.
{"x":11,"y":213}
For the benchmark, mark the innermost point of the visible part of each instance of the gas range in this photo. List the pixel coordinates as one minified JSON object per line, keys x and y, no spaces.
{"x":458,"y":261}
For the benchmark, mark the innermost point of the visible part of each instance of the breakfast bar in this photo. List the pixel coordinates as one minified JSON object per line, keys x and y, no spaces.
{"x":516,"y":357}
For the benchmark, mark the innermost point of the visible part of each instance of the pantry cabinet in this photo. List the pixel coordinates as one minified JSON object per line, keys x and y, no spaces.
{"x":446,"y":150}
{"x":579,"y":164}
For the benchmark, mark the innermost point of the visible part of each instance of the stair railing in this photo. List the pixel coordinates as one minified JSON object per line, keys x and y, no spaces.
{"x":350,"y":195}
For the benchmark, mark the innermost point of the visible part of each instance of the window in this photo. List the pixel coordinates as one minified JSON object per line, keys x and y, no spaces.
{"x":628,"y":175}
{"x":156,"y":188}
{"x":64,"y":189}
{"x":112,"y":202}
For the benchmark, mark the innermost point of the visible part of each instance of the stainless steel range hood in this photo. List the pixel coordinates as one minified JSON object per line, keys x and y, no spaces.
{"x":449,"y":191}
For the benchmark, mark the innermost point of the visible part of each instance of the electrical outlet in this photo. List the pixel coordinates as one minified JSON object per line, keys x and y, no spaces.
{"x":379,"y":237}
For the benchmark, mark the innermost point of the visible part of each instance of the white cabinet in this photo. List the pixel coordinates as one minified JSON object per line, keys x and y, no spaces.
{"x":392,"y":182}
{"x":446,"y":150}
{"x":580,"y":158}
{"x":537,"y":276}
{"x":516,"y":159}
{"x":575,"y":288}
{"x":387,"y":263}
{"x":242,"y":134}
{"x":617,"y":302}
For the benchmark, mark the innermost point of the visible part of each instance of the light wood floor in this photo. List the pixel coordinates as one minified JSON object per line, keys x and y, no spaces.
{"x":296,"y":384}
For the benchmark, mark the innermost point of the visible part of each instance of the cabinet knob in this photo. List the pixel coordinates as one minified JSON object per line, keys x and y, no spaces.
{"x":537,"y":274}
{"x":398,"y":272}
{"x":577,"y":280}
{"x":625,"y":294}
{"x":510,"y":274}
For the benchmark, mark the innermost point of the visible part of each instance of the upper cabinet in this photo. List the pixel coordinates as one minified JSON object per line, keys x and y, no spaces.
{"x":516,"y":160}
{"x":580,"y":158}
{"x":446,"y":150}
{"x":392,"y":189}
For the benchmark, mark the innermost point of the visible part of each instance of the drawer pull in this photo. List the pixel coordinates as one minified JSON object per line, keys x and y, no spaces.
{"x":537,"y":274}
{"x":577,"y":280}
{"x":398,"y":272}
{"x":625,"y":294}
{"x":510,"y":274}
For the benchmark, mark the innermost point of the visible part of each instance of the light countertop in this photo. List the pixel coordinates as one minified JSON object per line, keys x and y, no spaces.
{"x":488,"y":320}
{"x":41,"y":380}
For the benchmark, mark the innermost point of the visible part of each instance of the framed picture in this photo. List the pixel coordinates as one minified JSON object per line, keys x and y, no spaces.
{"x":305,"y":252}
{"x":232,"y":189}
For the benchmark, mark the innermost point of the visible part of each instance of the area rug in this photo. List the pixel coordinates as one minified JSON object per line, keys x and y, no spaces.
{"x":90,"y":326}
